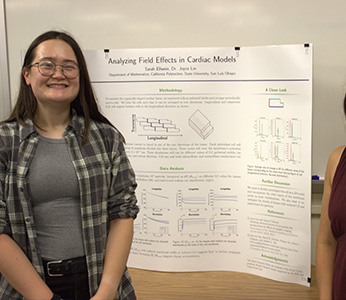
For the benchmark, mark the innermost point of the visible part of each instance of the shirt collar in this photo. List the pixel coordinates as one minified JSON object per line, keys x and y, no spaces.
{"x":26,"y":130}
{"x":77,"y":123}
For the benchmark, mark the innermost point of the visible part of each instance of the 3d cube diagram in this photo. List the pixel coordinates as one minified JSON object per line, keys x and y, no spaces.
{"x":200,"y":123}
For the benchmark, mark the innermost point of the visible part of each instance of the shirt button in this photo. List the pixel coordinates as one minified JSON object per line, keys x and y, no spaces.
{"x":27,"y":219}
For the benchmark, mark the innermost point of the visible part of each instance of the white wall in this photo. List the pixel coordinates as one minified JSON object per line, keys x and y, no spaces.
{"x":5,"y":101}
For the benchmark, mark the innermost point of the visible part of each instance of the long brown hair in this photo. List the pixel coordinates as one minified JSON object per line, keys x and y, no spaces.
{"x":85,"y":103}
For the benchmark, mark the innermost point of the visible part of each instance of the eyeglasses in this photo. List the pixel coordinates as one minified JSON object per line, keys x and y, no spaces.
{"x":47,"y":68}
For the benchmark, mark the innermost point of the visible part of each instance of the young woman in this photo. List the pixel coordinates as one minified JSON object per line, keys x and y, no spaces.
{"x":331,"y":238}
{"x":67,"y":189}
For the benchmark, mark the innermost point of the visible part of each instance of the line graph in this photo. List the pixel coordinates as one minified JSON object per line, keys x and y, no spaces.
{"x":294,"y":128}
{"x":156,"y":225}
{"x":262,"y":150}
{"x":155,"y":200}
{"x":224,"y":226}
{"x":193,"y":226}
{"x":262,"y":127}
{"x":278,"y":152}
{"x":278,"y":128}
{"x":294,"y":152}
{"x":222,"y":201}
{"x":191,"y":201}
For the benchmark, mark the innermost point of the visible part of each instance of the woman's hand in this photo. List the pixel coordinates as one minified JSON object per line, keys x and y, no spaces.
{"x":117,"y":251}
{"x":103,"y":295}
{"x":19,"y":272}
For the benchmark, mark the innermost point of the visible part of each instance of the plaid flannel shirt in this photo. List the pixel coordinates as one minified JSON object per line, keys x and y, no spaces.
{"x":107,"y":191}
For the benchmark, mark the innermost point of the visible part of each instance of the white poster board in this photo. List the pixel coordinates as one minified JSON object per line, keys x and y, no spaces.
{"x":220,"y":140}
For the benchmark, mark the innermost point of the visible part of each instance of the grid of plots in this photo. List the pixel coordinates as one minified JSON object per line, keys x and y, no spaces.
{"x":224,"y":201}
{"x":190,"y":225}
{"x":279,"y":139}
{"x":193,"y":217}
{"x":278,"y":128}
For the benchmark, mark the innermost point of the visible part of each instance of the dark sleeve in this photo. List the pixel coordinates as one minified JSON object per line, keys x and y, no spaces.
{"x":122,"y":201}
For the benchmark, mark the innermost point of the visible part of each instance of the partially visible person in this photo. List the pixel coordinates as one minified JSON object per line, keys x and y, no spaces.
{"x":67,"y":189}
{"x":331,"y":238}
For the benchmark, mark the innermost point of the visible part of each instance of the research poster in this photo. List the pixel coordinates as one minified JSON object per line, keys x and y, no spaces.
{"x":220,"y":140}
